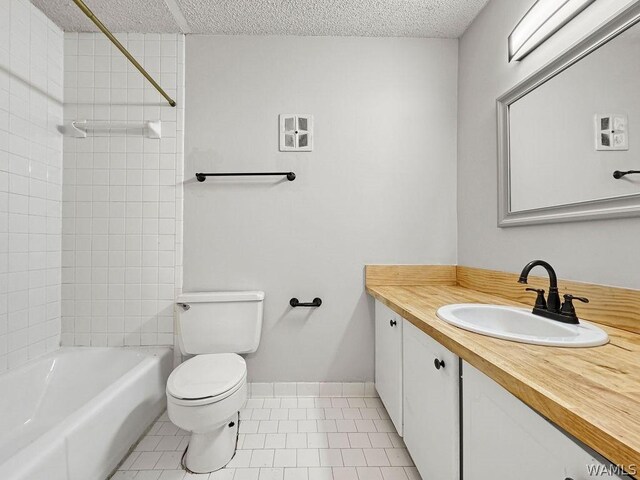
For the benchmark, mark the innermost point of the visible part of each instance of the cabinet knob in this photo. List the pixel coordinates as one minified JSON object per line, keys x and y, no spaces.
{"x":438,"y":364}
{"x":393,"y":323}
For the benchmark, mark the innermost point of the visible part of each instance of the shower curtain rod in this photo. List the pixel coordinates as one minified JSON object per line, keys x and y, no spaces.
{"x":82,"y":6}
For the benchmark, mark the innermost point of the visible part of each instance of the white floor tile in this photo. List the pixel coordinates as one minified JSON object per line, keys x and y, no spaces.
{"x":241,"y":459}
{"x":399,"y":457}
{"x":307,"y":426}
{"x":345,"y":473}
{"x":325,"y":473}
{"x":172,"y":475}
{"x":224,"y":474}
{"x":148,"y":443}
{"x":393,"y":473}
{"x":262,"y":458}
{"x":253,"y":440}
{"x":146,"y":461}
{"x":346,"y":426}
{"x":268,"y":426}
{"x":246,"y":474}
{"x":353,"y":457}
{"x":289,"y":438}
{"x":384,"y":426}
{"x":338,"y":440}
{"x":359,"y":440}
{"x":249,"y":426}
{"x":285,"y":458}
{"x":169,"y":443}
{"x":327,"y":426}
{"x":287,"y":426}
{"x":275,"y":440}
{"x":169,"y":461}
{"x":124,"y":475}
{"x":148,"y":475}
{"x":376,"y":457}
{"x":317,"y":440}
{"x":308,"y":457}
{"x":271,"y":474}
{"x":369,"y":473}
{"x":380,"y":440}
{"x":126,"y":465}
{"x":296,"y":440}
{"x":296,"y":474}
{"x":330,"y":457}
{"x":364,"y":426}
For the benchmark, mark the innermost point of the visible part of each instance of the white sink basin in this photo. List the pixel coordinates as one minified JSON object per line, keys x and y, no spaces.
{"x":520,"y":325}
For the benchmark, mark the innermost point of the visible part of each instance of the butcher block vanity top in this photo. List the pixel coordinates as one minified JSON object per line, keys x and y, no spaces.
{"x":592,"y":393}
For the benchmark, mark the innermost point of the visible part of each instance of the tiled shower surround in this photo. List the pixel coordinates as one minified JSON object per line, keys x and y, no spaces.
{"x":30,"y":182}
{"x":122,"y":195}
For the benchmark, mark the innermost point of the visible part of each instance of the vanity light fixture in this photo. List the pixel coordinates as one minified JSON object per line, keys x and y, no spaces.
{"x":542,"y":20}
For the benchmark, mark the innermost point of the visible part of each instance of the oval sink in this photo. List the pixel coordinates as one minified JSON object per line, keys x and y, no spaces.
{"x":520,"y":325}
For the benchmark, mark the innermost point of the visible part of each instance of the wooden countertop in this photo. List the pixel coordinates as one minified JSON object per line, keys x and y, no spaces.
{"x":592,"y":393}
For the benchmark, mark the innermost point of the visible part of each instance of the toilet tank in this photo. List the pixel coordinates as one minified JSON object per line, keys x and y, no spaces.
{"x":219,"y":322}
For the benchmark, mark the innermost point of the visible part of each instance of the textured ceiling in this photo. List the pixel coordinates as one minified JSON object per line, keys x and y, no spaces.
{"x":117,"y":15}
{"x":412,"y":18}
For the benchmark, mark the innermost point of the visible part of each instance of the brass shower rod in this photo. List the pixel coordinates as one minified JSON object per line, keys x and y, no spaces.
{"x":87,"y":11}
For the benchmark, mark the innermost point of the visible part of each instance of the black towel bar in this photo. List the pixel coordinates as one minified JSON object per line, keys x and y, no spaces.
{"x":201,"y":177}
{"x":618,"y":174}
{"x":294,"y":302}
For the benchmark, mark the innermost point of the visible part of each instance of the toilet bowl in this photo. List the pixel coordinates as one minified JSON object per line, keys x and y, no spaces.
{"x":205,"y":393}
{"x":204,"y":396}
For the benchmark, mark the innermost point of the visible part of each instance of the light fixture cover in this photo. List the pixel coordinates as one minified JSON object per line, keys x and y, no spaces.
{"x":542,"y":20}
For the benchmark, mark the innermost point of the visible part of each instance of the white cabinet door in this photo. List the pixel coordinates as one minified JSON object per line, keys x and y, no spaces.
{"x":388,"y":354}
{"x":431,"y":405}
{"x":503,"y":438}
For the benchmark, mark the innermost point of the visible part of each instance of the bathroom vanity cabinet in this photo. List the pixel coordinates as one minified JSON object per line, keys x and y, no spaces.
{"x":504,"y":438}
{"x":388,"y":361}
{"x":431,"y":385}
{"x":457,"y":422}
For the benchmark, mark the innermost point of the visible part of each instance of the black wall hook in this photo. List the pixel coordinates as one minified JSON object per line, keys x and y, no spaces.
{"x":294,"y":302}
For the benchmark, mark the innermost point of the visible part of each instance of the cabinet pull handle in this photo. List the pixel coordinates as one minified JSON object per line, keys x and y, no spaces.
{"x":438,"y":364}
{"x":393,"y":323}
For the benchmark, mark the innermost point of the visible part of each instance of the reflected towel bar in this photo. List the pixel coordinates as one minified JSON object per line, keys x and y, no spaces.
{"x":203,"y":176}
{"x":618,"y":174}
{"x":294,"y":302}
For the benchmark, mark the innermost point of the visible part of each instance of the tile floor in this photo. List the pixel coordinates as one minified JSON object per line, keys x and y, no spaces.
{"x":288,"y":438}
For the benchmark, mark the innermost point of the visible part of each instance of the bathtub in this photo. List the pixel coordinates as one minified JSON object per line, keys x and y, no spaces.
{"x":74,"y":414}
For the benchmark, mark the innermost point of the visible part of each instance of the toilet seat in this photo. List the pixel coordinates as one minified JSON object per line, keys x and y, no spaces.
{"x":206,"y":379}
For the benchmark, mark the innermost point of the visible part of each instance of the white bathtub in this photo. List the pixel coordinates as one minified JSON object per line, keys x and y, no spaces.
{"x":74,"y":414}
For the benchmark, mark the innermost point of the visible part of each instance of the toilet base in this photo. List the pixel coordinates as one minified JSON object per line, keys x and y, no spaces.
{"x":211,"y":451}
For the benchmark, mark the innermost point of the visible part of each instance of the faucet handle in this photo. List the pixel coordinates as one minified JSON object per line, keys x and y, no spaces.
{"x":569,"y":298}
{"x":568,"y":308}
{"x":540,"y":301}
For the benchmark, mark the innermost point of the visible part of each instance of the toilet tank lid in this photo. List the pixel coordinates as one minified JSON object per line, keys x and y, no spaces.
{"x":220,"y":297}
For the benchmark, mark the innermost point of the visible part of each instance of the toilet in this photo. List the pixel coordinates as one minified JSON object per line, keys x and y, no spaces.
{"x":206,"y":392}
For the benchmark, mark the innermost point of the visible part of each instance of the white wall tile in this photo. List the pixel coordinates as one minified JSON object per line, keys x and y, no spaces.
{"x":122,"y":231}
{"x":30,"y":164}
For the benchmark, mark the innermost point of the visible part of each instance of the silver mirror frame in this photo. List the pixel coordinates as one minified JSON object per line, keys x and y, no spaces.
{"x":617,"y":207}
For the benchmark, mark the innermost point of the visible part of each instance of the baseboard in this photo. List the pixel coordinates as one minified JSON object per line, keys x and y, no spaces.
{"x":312,"y":389}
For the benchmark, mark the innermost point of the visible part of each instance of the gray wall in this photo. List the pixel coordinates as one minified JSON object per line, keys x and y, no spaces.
{"x":378,"y":188}
{"x":602,"y":251}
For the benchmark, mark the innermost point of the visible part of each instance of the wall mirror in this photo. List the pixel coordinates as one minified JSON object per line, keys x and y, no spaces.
{"x":565,"y":130}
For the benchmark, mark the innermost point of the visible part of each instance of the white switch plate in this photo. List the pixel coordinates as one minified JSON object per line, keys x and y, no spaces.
{"x":296,"y":132}
{"x":612,"y":131}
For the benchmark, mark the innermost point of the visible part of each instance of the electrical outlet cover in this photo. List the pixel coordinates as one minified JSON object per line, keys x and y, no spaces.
{"x":611,"y":131}
{"x":296,"y":132}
